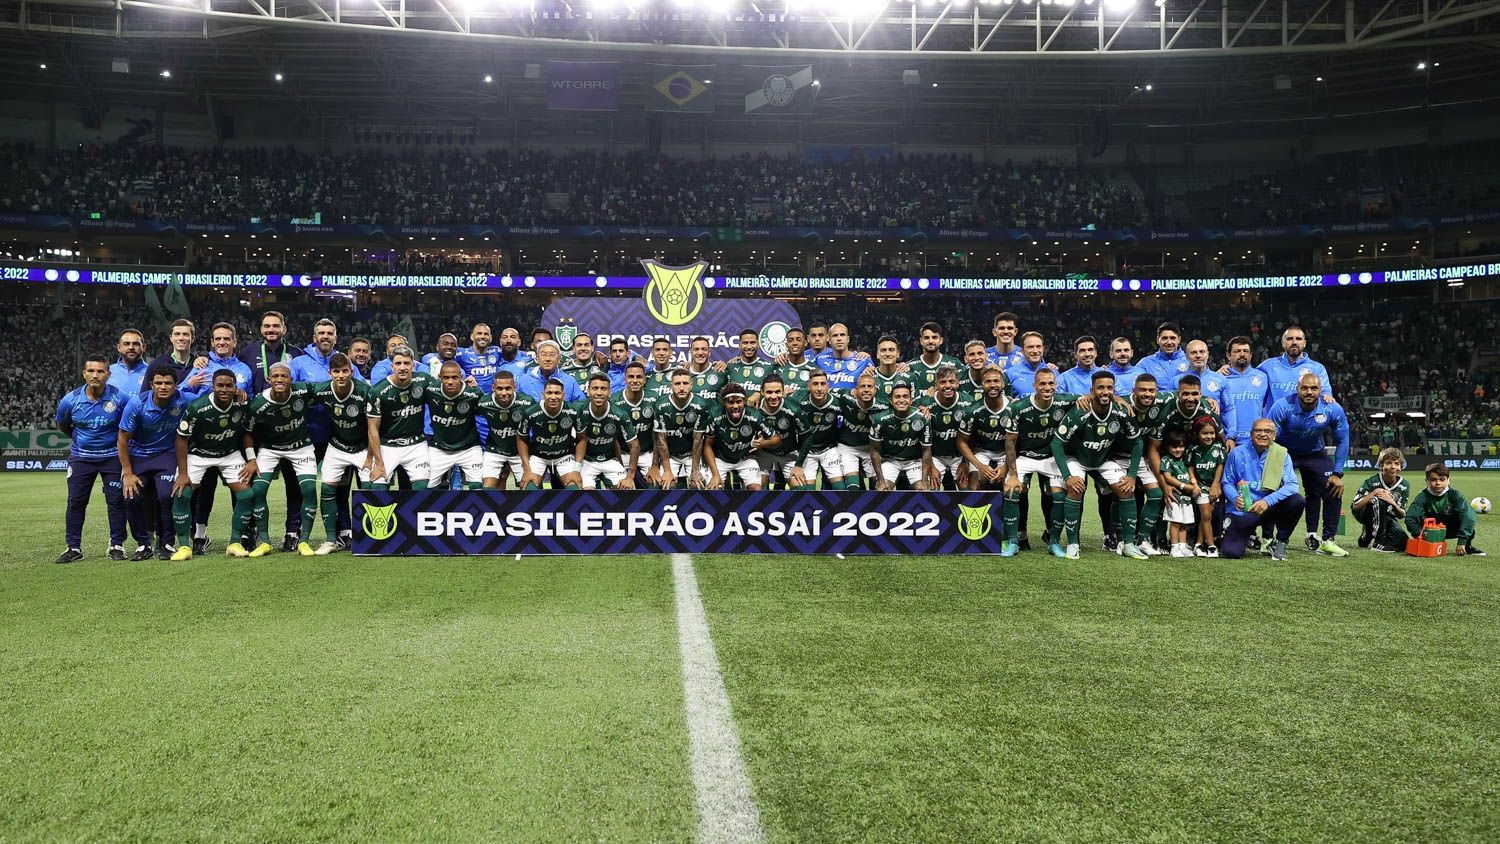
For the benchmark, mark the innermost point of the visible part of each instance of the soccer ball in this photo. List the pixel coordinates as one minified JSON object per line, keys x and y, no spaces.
{"x":1480,"y":504}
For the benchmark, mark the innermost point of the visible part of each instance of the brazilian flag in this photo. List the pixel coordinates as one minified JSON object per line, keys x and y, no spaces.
{"x":680,"y":88}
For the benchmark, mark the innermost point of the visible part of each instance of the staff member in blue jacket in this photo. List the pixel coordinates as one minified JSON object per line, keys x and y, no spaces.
{"x":1271,"y":490}
{"x":1305,"y":424}
{"x":90,"y":416}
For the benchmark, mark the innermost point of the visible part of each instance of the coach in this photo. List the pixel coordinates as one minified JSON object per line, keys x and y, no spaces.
{"x":1271,"y":494}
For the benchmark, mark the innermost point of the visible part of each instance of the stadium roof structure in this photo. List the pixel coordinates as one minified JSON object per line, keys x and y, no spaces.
{"x":982,"y":69}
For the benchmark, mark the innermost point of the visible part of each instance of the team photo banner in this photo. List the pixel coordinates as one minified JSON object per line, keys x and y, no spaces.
{"x":595,"y":522}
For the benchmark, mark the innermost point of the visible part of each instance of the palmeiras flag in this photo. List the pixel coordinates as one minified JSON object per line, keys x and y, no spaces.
{"x":779,"y":90}
{"x":680,"y":88}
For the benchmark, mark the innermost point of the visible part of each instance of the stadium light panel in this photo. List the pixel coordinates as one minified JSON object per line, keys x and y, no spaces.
{"x":166,"y":74}
{"x":488,"y":79}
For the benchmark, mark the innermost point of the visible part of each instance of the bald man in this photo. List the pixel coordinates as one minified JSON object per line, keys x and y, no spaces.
{"x":843,"y":364}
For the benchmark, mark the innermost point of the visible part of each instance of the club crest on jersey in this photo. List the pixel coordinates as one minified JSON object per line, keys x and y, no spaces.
{"x":448,"y":407}
{"x":1320,"y":418}
{"x":297,"y":405}
{"x":916,"y":425}
{"x":552,"y":426}
{"x":1255,"y":380}
{"x":109,"y":407}
{"x":759,"y":371}
{"x":416,"y":392}
{"x":745,"y":430}
{"x":1114,"y":427}
{"x":286,"y":413}
{"x":405,"y":398}
{"x":463,"y":407}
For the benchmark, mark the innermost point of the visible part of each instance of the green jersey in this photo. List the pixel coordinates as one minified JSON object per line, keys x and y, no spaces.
{"x":281,"y":425}
{"x":642,"y":414}
{"x":452,"y":418}
{"x":678,"y":423}
{"x":945,"y":420}
{"x":212,"y":431}
{"x":400,"y":409}
{"x":551,"y":436}
{"x":1400,"y":491}
{"x":1149,"y":419}
{"x":609,"y":435}
{"x":748,"y":375}
{"x":731,"y":439}
{"x":659,"y":383}
{"x":1177,"y":468}
{"x":706,"y":386}
{"x":1450,"y":508}
{"x":901,"y":436}
{"x":347,"y":415}
{"x":1090,"y":438}
{"x":817,"y":426}
{"x":796,"y":376}
{"x":1034,"y":425}
{"x":505,"y":423}
{"x":984,"y":427}
{"x":783,"y":423}
{"x":581,"y":372}
{"x":1177,"y":420}
{"x":855,"y":431}
{"x":974,"y":390}
{"x":885,"y":383}
{"x":924,"y":375}
{"x":1205,"y":461}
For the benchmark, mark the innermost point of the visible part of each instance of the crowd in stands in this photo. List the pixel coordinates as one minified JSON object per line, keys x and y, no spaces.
{"x":541,"y":188}
{"x":1399,"y":346}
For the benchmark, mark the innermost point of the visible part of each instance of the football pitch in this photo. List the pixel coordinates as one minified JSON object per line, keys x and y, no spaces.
{"x":883,"y":698}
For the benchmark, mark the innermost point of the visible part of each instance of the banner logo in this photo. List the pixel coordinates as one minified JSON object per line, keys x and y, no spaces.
{"x":680,"y":88}
{"x":567,"y":332}
{"x":379,"y":522}
{"x":674,"y":295}
{"x":773,"y":339}
{"x":974,"y":523}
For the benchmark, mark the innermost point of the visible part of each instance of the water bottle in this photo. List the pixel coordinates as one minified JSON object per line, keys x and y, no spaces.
{"x":1243,"y":487}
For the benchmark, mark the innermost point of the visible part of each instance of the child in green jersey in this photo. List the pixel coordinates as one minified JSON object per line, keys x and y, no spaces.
{"x":1206,"y":461}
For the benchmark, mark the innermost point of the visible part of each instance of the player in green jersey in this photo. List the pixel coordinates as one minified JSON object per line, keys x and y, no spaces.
{"x":213,"y":435}
{"x":278,"y":424}
{"x":857,"y":411}
{"x":708,"y":375}
{"x":680,"y":422}
{"x":981,"y":434}
{"x":659,"y":375}
{"x":608,"y":448}
{"x":1082,"y":446}
{"x":797,"y":372}
{"x":971,"y":375}
{"x":636,"y":406}
{"x":748,"y":370}
{"x":776,"y":461}
{"x":924,"y":368}
{"x":504,"y":410}
{"x":395,"y":422}
{"x":452,"y":412}
{"x":945,"y":409}
{"x":889,"y":369}
{"x":348,"y":454}
{"x":1030,"y":423}
{"x":1380,"y":505}
{"x":548,"y":441}
{"x":817,"y":436}
{"x":730,"y":440}
{"x":901,"y":443}
{"x":581,"y":362}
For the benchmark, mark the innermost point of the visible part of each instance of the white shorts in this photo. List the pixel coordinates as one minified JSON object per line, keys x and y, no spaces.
{"x":1200,"y":498}
{"x":856,"y":461}
{"x":561,"y":466}
{"x":1179,"y":512}
{"x":947,"y":465}
{"x":1143,"y":473}
{"x":990,"y":458}
{"x":303,"y":460}
{"x":470,"y":460}
{"x":829,"y":461}
{"x":494,"y":466}
{"x":892,"y":470}
{"x":1028,"y":466}
{"x":1111,"y":470}
{"x":682,"y":467}
{"x":337,"y":463}
{"x":229,"y":467}
{"x":611,"y":470}
{"x":413,"y":458}
{"x":749,"y":471}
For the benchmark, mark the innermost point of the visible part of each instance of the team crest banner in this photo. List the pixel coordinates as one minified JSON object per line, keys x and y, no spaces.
{"x":675,"y":305}
{"x":597,"y":522}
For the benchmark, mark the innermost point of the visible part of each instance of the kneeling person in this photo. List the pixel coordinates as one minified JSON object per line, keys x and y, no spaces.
{"x":901,"y":443}
{"x":1380,"y":505}
{"x":453,"y":411}
{"x":1449,"y":507}
{"x":729,"y":440}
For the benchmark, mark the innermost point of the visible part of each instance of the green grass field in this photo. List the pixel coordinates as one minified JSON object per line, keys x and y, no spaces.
{"x":953,"y":698}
